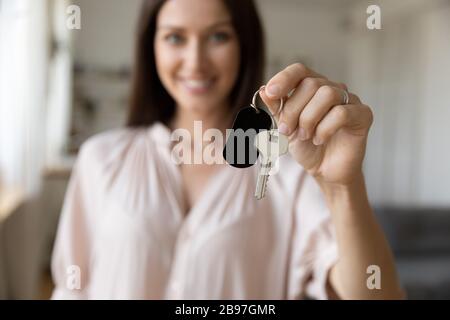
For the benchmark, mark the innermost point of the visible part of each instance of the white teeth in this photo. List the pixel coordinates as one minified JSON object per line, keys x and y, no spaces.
{"x":198,"y":84}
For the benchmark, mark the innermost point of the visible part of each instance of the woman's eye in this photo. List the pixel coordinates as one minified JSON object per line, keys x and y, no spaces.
{"x":219,"y":37}
{"x":174,"y":39}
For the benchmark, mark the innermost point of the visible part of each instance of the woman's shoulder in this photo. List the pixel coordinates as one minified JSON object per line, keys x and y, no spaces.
{"x":114,"y":146}
{"x":102,"y":144}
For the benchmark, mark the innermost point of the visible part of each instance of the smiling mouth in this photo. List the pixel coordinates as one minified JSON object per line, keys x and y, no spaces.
{"x":196,"y":86}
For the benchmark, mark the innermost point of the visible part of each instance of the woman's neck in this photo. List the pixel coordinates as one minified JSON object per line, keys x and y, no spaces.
{"x":218,"y":118}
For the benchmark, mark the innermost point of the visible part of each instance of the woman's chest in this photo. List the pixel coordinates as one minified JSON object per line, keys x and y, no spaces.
{"x":224,"y":216}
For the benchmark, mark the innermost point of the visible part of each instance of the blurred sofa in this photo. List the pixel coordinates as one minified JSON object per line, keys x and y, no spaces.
{"x":420,"y":239}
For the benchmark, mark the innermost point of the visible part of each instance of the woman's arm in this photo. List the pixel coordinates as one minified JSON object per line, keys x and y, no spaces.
{"x":73,"y":243}
{"x":361,"y":243}
{"x":328,"y":128}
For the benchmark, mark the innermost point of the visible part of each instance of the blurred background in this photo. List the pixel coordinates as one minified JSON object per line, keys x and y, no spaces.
{"x":58,"y":86}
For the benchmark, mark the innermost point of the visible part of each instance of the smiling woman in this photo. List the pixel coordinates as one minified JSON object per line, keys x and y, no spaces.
{"x":138,"y":225}
{"x":229,"y":37}
{"x":199,"y":63}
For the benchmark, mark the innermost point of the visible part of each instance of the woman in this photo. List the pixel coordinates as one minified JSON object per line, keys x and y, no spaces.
{"x":136,"y":225}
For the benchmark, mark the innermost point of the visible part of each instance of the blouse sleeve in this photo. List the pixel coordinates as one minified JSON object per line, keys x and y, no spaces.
{"x":73,"y":244}
{"x":314,"y":249}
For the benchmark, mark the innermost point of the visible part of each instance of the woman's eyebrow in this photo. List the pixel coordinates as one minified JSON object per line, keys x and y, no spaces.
{"x":218,"y":24}
{"x":175,"y":27}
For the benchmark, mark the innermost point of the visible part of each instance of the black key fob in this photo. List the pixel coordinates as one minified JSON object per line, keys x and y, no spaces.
{"x":239,"y":150}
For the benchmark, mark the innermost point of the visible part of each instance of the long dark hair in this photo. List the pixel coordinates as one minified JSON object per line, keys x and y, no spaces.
{"x":149,"y":100}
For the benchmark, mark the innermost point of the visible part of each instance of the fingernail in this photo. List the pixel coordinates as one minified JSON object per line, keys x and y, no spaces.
{"x":303,"y":134}
{"x":283,"y":129}
{"x":317,"y":141}
{"x":273,"y":90}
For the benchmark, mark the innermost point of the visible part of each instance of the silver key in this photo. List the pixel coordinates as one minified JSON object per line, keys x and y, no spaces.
{"x":271,"y":145}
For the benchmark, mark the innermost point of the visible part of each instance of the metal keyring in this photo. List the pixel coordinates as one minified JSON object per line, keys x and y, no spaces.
{"x":253,"y":105}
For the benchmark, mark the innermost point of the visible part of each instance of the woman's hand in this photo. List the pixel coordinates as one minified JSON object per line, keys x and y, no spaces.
{"x":329,"y":140}
{"x":326,"y":137}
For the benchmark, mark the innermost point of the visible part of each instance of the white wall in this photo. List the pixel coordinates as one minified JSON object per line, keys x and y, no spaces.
{"x":308,"y":32}
{"x":106,"y":37}
{"x":403,"y":73}
{"x":434,"y":187}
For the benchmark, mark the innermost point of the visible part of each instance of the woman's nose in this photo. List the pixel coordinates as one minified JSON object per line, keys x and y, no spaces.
{"x":196,"y":57}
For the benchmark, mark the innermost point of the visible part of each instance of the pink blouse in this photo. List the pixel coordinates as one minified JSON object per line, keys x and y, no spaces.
{"x":123,"y":225}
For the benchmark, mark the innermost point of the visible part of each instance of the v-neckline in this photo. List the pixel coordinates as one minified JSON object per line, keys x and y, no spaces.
{"x":209,"y":191}
{"x":205,"y":195}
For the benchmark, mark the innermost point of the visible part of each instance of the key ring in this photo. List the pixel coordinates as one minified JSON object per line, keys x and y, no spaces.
{"x":253,"y":105}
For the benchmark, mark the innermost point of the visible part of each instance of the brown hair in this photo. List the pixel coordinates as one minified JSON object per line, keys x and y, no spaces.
{"x":150,"y":101}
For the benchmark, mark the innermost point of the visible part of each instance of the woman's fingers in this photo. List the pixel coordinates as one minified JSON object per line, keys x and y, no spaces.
{"x":312,"y":96}
{"x":354,"y":116}
{"x":324,"y":99}
{"x":284,"y":82}
{"x":272,"y":104}
{"x":298,"y":99}
{"x":288,"y":120}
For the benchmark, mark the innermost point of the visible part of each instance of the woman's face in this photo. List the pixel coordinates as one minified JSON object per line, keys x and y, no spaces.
{"x":197,"y":53}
